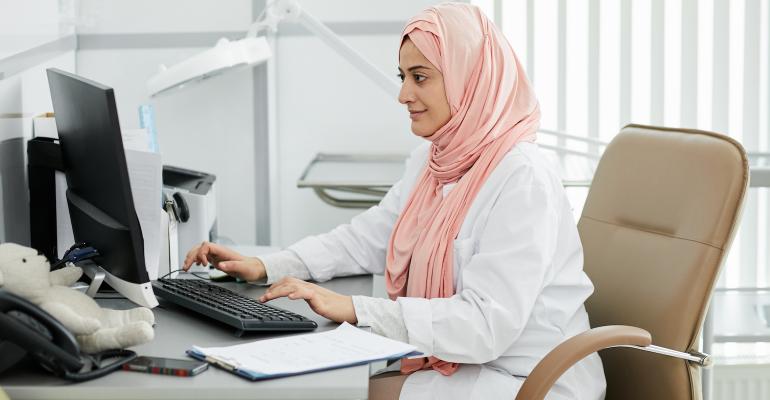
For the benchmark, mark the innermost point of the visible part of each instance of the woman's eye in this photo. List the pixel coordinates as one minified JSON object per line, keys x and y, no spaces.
{"x":401,"y":76}
{"x":419,"y":78}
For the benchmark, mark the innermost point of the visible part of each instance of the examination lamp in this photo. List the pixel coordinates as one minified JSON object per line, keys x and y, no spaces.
{"x":252,"y":50}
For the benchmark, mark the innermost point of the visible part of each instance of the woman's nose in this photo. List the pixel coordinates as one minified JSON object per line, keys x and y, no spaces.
{"x":405,"y":95}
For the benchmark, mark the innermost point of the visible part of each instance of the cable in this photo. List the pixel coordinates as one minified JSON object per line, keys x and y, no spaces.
{"x":77,"y":252}
{"x":195,"y":274}
{"x":96,"y":369}
{"x":205,"y":278}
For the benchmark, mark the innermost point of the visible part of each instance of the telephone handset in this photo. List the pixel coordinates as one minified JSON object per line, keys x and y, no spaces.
{"x":25,"y":329}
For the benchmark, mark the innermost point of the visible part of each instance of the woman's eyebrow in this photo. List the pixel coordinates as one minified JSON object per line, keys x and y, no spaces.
{"x":417,"y":67}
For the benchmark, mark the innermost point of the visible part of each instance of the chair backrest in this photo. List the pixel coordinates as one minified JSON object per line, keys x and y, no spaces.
{"x":656,"y":227}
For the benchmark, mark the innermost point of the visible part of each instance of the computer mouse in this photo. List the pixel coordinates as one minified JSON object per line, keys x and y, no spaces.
{"x":219,"y":276}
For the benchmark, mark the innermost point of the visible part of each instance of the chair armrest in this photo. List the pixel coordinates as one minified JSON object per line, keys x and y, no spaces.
{"x":574,"y":349}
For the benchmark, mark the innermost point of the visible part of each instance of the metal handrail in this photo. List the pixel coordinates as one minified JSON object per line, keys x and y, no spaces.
{"x":743,"y":289}
{"x":702,"y":359}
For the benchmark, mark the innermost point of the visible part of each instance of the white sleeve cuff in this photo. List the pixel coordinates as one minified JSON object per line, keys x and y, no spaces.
{"x":382,"y":315}
{"x":315,"y":257}
{"x":284,"y":263}
{"x":418,"y":319}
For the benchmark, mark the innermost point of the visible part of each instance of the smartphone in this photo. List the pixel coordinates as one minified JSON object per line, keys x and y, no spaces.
{"x":166,"y":366}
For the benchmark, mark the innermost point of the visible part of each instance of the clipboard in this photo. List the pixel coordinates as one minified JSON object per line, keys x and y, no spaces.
{"x":358,"y":348}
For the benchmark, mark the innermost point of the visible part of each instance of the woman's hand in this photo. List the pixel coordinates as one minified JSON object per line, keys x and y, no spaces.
{"x":324,"y":302}
{"x":226,"y":260}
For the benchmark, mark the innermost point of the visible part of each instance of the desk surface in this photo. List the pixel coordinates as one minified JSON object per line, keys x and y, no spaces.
{"x":175,"y":331}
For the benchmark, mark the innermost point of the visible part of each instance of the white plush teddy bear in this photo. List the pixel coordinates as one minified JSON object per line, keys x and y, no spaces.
{"x":27,"y":274}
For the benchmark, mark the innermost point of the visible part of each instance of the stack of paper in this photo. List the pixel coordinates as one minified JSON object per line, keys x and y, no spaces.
{"x":292,"y":355}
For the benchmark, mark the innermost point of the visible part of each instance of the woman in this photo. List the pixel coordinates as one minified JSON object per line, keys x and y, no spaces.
{"x":482,"y":259}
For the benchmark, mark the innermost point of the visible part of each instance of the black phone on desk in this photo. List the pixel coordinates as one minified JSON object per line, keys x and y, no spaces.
{"x":28,"y":331}
{"x":166,"y":366}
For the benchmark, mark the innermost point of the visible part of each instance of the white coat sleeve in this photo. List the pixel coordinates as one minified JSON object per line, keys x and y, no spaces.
{"x":500,"y":282}
{"x":382,"y":315}
{"x":355,"y":248}
{"x":281,"y":264}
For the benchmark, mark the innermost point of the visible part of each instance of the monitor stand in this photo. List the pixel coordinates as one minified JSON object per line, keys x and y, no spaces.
{"x":139,"y":293}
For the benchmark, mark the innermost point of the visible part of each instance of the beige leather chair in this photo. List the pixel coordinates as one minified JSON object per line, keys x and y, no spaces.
{"x":656,"y":228}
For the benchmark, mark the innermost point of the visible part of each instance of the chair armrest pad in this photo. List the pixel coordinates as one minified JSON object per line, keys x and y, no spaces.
{"x":574,"y":349}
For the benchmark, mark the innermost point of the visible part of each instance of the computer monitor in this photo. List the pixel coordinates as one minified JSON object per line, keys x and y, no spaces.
{"x":99,"y":196}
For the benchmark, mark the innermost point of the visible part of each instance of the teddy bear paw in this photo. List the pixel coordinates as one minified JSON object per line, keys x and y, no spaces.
{"x":128,"y":335}
{"x":142,"y":314}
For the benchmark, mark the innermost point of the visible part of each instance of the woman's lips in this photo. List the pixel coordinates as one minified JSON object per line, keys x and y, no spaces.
{"x":416,"y":114}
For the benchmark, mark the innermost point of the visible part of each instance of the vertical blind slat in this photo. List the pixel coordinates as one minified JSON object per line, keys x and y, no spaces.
{"x":561,"y":119}
{"x":561,"y":74}
{"x":721,"y":66}
{"x":531,"y":40}
{"x":750,"y":134}
{"x":751,"y":75}
{"x":498,"y":14}
{"x":721,"y":79}
{"x":766,"y":35}
{"x":593,"y":72}
{"x":625,"y":62}
{"x":657,"y":59}
{"x":689,"y":107}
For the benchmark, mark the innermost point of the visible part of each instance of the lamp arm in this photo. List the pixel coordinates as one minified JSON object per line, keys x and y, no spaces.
{"x":270,"y":17}
{"x":290,"y":10}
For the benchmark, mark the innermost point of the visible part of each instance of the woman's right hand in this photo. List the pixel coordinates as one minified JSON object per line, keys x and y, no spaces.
{"x":226,"y":260}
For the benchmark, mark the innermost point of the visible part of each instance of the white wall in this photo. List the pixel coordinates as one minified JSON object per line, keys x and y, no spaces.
{"x":322,"y":104}
{"x":208,"y":127}
{"x":24,"y":26}
{"x":29,"y":17}
{"x":21,"y":97}
{"x":325,"y":105}
{"x":150,"y":16}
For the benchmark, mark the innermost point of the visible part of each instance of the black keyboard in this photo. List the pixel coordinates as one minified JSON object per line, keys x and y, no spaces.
{"x":231,"y":308}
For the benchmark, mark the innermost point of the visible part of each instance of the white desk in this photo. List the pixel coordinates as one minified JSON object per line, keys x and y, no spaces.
{"x":175,"y":331}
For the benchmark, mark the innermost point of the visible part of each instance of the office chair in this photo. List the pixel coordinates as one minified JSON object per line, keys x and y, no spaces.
{"x":658,"y":222}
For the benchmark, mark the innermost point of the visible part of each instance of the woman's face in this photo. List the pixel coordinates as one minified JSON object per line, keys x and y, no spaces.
{"x":422,"y":91}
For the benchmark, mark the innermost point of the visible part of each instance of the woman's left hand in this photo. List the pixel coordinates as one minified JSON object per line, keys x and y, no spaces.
{"x":324,"y":302}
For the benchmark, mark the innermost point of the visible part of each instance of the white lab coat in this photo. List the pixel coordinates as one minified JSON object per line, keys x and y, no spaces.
{"x":519,"y":282}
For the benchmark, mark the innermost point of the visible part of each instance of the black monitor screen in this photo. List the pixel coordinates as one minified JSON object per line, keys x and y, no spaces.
{"x":99,"y":192}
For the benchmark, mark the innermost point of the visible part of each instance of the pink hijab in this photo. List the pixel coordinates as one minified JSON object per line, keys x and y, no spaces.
{"x":492,"y":109}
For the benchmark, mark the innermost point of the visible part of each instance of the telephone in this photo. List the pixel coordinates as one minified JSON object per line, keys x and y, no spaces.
{"x":25,"y":329}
